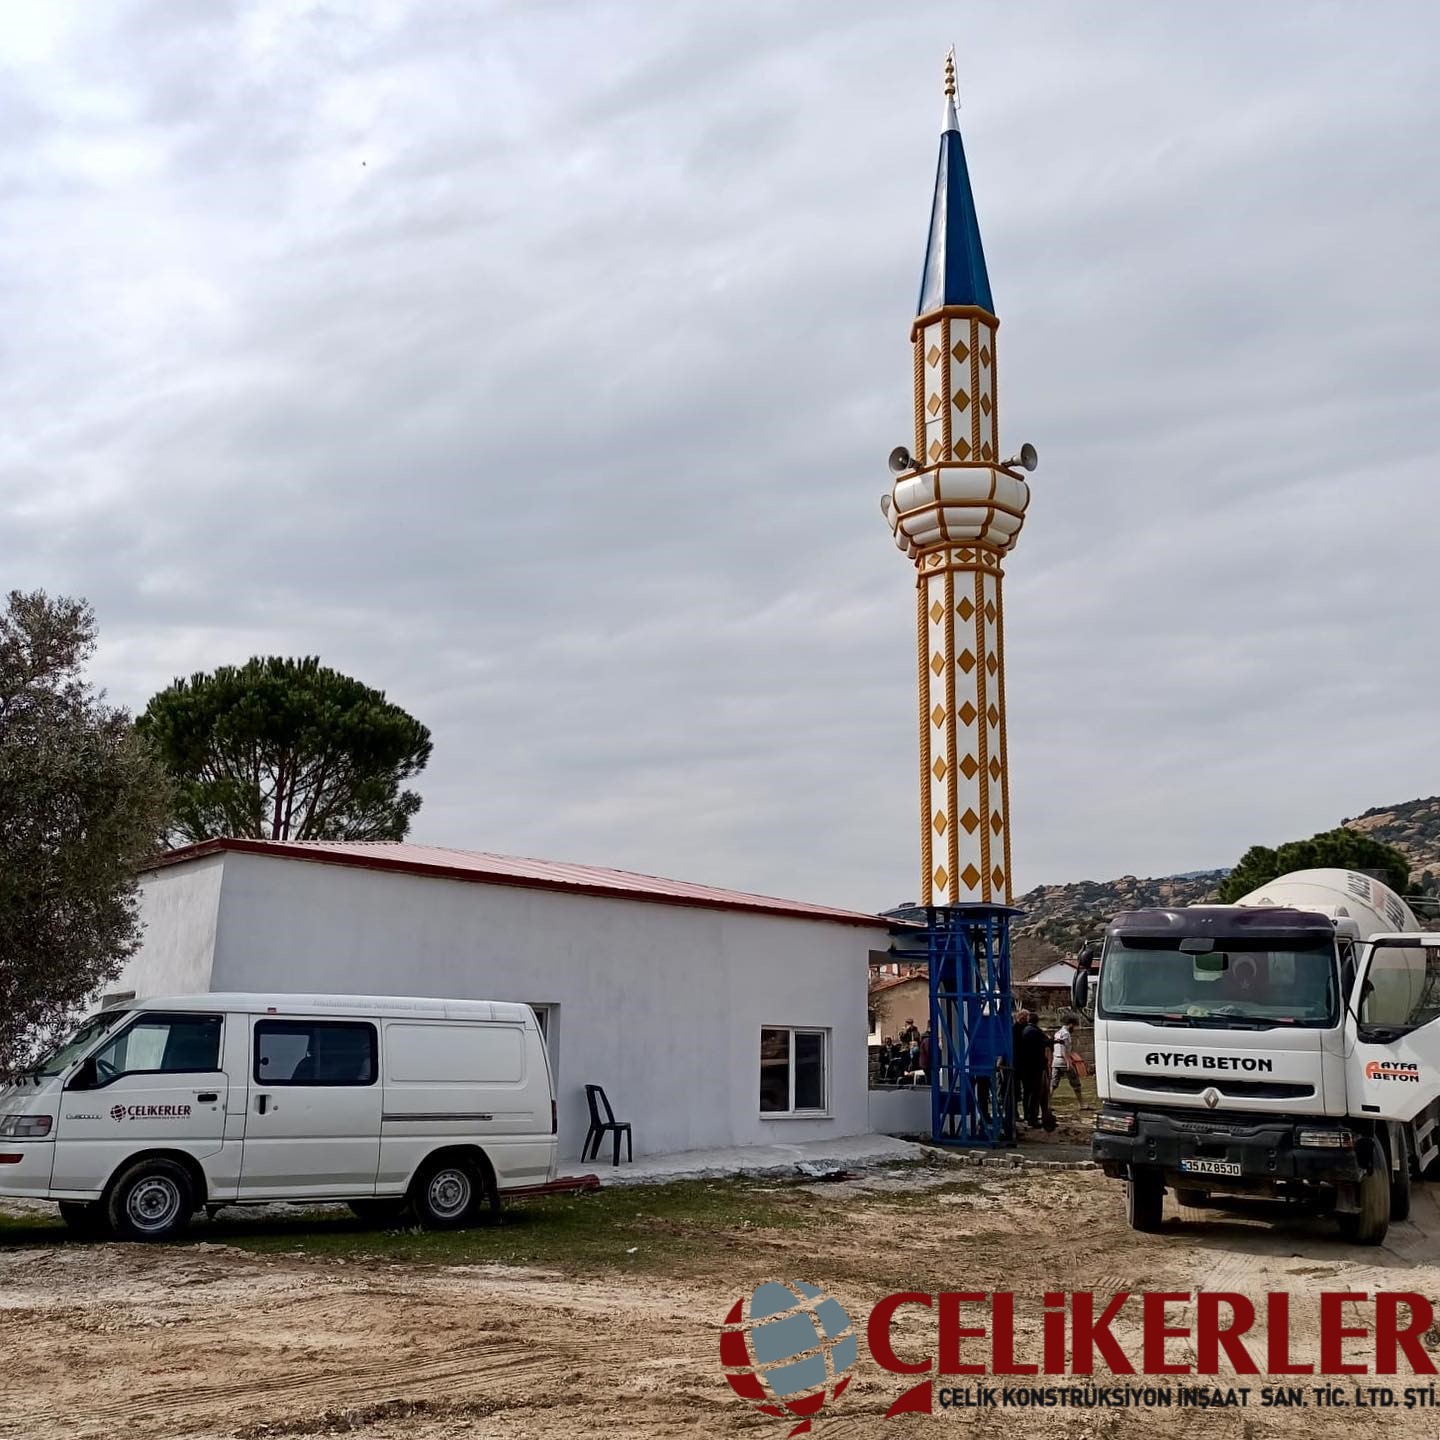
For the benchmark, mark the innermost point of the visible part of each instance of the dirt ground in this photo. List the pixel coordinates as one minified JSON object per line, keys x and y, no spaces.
{"x":212,"y":1339}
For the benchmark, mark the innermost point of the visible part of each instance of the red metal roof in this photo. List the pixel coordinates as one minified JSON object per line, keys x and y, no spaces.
{"x":479,"y":866}
{"x":879,"y":988}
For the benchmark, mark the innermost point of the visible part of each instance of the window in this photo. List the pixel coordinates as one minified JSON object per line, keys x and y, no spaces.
{"x":1143,"y":977}
{"x":455,"y":1054}
{"x":66,"y":1054}
{"x":315,"y":1052}
{"x":792,"y":1071}
{"x":1402,"y":986}
{"x":162,"y":1044}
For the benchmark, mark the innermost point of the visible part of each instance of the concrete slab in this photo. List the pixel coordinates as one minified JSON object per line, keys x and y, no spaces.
{"x":811,"y":1157}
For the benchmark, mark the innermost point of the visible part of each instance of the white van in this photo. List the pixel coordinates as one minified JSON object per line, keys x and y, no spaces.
{"x":158,"y":1108}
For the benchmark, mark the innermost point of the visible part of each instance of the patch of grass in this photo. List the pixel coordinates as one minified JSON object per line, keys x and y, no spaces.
{"x":921,"y":1199}
{"x":645,"y":1228}
{"x":649,"y":1228}
{"x":42,"y":1228}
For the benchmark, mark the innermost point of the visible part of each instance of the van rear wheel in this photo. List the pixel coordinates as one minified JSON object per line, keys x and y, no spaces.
{"x":151,"y":1200}
{"x":447,"y":1194}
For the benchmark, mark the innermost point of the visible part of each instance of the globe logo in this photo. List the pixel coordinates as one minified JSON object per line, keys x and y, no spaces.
{"x":788,"y":1348}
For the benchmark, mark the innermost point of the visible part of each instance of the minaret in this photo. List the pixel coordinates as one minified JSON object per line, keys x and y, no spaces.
{"x":956,"y":510}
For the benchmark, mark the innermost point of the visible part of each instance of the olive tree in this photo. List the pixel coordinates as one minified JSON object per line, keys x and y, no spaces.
{"x":82,"y":804}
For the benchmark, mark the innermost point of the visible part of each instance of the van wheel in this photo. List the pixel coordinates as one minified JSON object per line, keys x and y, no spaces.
{"x":446,"y":1194}
{"x":1192,"y":1199}
{"x":1144,"y":1201}
{"x":152,"y":1200}
{"x":1368,"y":1225}
{"x":378,"y":1212}
{"x":85,"y":1218}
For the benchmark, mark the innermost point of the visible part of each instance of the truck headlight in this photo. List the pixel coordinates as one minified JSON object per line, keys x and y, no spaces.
{"x":1325,"y":1139}
{"x":25,"y":1127}
{"x":1115,"y":1122}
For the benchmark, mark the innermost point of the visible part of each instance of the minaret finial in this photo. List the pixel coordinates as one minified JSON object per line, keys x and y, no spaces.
{"x":950,"y":73}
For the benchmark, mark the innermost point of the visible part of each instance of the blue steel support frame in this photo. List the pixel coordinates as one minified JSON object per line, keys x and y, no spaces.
{"x":972,"y":1062}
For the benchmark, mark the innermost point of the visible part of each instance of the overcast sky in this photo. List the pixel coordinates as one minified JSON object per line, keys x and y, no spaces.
{"x":537,"y":363}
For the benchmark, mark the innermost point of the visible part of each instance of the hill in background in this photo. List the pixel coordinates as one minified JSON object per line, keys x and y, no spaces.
{"x":1068,"y":915}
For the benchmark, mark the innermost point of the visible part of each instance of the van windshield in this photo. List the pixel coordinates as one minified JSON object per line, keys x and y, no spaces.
{"x":1155,"y":980}
{"x":61,"y":1058}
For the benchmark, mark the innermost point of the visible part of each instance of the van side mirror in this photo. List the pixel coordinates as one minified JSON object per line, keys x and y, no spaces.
{"x":85,"y":1078}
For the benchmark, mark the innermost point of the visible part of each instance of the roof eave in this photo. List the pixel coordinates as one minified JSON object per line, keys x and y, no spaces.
{"x":280,"y":849}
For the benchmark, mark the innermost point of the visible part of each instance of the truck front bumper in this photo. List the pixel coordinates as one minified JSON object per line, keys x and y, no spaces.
{"x":1265,"y":1150}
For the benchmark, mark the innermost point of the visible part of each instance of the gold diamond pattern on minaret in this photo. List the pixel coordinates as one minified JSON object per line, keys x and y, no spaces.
{"x":957,"y":514}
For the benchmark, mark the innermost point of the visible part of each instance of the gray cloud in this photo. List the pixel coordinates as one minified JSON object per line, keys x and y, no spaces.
{"x":537,"y":363}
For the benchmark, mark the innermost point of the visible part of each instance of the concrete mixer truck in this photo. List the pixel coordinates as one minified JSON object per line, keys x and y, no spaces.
{"x":1287,"y":1045}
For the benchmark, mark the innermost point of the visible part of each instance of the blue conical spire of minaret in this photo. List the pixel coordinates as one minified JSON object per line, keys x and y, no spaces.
{"x":954,"y":258}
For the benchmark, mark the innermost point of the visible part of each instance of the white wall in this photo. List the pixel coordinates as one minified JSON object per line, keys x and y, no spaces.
{"x":660,"y":1004}
{"x":179,"y":908}
{"x":901,"y":1110}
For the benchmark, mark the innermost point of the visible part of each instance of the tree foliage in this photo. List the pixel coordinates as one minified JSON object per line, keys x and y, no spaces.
{"x":281,"y":749}
{"x":1338,"y":849}
{"x":82,"y":804}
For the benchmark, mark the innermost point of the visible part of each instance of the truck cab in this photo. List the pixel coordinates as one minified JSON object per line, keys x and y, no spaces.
{"x":1266,"y":1049}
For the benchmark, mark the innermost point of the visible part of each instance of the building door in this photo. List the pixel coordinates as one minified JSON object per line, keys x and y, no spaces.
{"x":313,"y":1122}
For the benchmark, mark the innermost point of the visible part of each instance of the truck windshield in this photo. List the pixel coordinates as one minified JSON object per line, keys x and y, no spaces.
{"x":1145,"y":979}
{"x":64,"y":1055}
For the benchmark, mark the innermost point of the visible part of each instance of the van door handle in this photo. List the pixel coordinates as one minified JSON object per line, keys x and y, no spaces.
{"x":207,"y":1097}
{"x":262,"y":1104}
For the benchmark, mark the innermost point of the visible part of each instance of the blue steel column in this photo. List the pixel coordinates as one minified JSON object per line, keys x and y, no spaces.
{"x":972,"y":1064}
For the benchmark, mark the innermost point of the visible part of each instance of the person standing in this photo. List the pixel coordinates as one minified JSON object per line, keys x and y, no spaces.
{"x":1062,"y":1067}
{"x":1017,"y":1029}
{"x":1033,"y":1060}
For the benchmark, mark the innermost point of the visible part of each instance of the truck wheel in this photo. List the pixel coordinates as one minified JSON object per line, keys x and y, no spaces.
{"x":1192,"y":1199}
{"x":1368,"y":1225}
{"x":446,"y":1194}
{"x":152,"y":1200}
{"x":1400,"y":1184}
{"x":84,"y":1218}
{"x":1144,"y":1201}
{"x":378,"y":1212}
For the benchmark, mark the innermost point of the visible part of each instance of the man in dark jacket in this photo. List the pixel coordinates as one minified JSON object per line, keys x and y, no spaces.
{"x":1032,"y":1059}
{"x":1017,"y":1028}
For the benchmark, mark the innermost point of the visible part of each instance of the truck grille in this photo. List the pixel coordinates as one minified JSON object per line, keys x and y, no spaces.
{"x":1235,"y":1089}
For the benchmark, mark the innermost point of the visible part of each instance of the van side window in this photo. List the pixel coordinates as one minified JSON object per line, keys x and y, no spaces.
{"x":162,"y":1045}
{"x":315,"y":1052}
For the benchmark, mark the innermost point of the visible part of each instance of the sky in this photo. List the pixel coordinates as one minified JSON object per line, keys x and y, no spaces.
{"x":537,"y":364}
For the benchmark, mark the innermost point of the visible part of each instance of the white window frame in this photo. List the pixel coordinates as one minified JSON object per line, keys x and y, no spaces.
{"x":823,"y":1113}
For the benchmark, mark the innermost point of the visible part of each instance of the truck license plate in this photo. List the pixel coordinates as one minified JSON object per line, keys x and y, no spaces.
{"x":1210,"y":1167}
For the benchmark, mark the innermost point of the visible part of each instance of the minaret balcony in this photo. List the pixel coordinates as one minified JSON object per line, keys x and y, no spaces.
{"x":967,"y":504}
